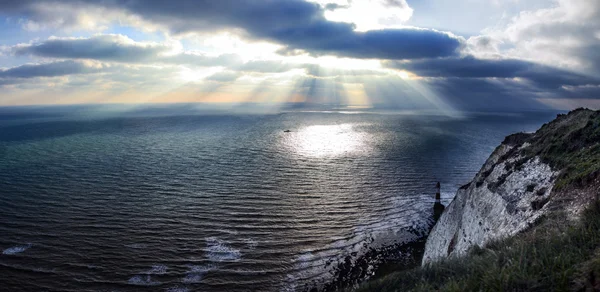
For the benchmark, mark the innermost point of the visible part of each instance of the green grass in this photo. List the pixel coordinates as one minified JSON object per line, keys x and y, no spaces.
{"x":553,"y":256}
{"x":571,"y":144}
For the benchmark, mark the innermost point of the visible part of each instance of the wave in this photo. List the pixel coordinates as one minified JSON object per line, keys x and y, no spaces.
{"x":146,"y":278}
{"x":196,"y":273}
{"x":142,"y":281}
{"x":16,"y":249}
{"x":157,"y":270}
{"x":218,"y":250}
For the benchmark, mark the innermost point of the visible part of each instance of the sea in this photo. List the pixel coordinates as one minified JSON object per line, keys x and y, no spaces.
{"x":186,"y":198}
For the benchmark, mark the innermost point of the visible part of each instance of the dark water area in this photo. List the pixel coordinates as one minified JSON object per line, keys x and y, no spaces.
{"x":223,"y":202}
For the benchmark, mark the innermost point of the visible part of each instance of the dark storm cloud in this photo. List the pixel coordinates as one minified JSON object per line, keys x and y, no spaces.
{"x":104,"y":48}
{"x":118,"y":48}
{"x":339,"y":39}
{"x":469,"y":67}
{"x":486,"y":93}
{"x":47,"y":70}
{"x":586,"y":91}
{"x":469,"y":83}
{"x":296,"y":24}
{"x":462,"y":67}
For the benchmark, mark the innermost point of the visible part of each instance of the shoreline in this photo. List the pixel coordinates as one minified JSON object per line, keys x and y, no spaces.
{"x":379,"y":262}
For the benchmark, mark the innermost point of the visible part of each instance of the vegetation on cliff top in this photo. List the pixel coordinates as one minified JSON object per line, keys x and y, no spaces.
{"x":570,"y":143}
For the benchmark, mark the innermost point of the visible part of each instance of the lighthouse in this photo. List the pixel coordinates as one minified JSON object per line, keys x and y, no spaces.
{"x":438,"y":195}
{"x":438,"y":208}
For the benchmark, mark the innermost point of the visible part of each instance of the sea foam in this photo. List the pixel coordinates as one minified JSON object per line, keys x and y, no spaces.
{"x":157,"y":270}
{"x":219,"y":251}
{"x":16,"y":249}
{"x":140,"y":280}
{"x":196,"y":273}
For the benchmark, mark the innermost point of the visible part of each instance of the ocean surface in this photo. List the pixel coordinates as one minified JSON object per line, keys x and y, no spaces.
{"x":169,"y":200}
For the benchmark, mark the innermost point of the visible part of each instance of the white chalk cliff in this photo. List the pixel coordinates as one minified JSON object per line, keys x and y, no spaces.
{"x":514,"y":188}
{"x":485,"y":210}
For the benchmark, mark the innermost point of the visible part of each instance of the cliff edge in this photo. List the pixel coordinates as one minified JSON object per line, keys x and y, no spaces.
{"x":530,"y":175}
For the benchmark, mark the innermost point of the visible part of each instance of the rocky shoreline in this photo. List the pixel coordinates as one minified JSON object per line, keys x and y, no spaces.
{"x":375,"y":263}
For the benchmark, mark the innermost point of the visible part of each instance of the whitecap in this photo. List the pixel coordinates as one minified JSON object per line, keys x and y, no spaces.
{"x":202,"y":269}
{"x":196,"y":273}
{"x":178,"y":289}
{"x":192,"y":278}
{"x":16,"y":249}
{"x":290,"y":285}
{"x":303,"y":260}
{"x":219,"y":251}
{"x":142,"y":280}
{"x":157,"y":270}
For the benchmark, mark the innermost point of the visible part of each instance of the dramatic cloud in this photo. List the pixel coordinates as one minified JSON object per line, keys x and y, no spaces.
{"x":296,"y":24}
{"x":73,"y":15}
{"x":339,"y":39}
{"x":119,"y":48}
{"x":470,"y":67}
{"x":488,"y":94}
{"x":469,"y":83}
{"x":103,"y":47}
{"x":338,"y":51}
{"x":48,"y":70}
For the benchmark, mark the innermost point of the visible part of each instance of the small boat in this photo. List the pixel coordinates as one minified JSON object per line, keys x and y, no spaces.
{"x":286,"y":131}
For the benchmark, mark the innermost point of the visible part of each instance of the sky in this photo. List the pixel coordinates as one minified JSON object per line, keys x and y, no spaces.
{"x":488,"y":55}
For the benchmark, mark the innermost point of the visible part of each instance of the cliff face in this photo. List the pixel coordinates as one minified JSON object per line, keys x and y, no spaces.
{"x":527,"y":176}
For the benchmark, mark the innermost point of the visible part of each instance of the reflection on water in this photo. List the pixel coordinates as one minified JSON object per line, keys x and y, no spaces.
{"x":327,"y":140}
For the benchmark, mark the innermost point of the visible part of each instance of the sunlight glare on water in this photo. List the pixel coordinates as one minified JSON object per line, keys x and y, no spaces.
{"x":328,"y":140}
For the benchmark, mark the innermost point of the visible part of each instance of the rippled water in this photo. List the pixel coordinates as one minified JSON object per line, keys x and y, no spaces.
{"x":221,"y":202}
